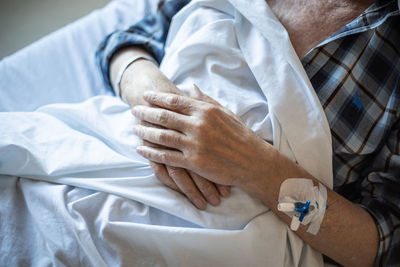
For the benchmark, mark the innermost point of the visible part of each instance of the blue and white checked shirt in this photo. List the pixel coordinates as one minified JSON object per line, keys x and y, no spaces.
{"x":356,"y":74}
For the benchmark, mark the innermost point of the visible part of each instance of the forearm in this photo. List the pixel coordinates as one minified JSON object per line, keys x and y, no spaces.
{"x":348,"y":233}
{"x":118,"y":64}
{"x":139,"y":76}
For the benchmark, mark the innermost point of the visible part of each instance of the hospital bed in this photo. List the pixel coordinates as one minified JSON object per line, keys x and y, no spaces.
{"x":43,"y":223}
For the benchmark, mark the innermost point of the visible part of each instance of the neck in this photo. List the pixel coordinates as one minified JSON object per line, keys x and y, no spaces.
{"x":309,"y":22}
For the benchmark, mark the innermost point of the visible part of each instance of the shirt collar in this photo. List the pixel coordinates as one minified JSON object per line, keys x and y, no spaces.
{"x":371,"y":18}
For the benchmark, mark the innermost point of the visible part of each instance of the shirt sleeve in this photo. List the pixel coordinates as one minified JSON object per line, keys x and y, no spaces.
{"x":149,"y":33}
{"x":380,"y":192}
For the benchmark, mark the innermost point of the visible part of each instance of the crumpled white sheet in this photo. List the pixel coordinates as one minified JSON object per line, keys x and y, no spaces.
{"x":90,"y":145}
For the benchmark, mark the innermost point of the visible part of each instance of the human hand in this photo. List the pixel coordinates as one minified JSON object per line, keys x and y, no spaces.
{"x":143,"y":76}
{"x":204,"y":137}
{"x":140,"y":75}
{"x":196,"y":188}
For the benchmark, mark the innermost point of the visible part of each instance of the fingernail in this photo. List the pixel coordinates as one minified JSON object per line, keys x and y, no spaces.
{"x":214,"y":200}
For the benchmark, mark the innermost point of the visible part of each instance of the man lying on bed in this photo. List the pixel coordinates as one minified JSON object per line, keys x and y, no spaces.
{"x":353,"y":63}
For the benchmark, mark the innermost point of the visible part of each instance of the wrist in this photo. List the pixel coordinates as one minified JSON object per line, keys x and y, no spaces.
{"x":138,"y":68}
{"x":136,"y":79}
{"x":272,"y":168}
{"x":121,"y":60}
{"x":276,"y":168}
{"x":265,"y":182}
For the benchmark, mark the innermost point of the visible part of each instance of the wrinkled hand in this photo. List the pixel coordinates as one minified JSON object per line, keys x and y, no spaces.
{"x":143,"y":76}
{"x":205,"y":138}
{"x":196,"y":188}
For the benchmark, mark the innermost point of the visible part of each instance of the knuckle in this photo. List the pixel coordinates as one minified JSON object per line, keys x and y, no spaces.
{"x":175,"y":172}
{"x":163,"y":175}
{"x":162,"y":136}
{"x":170,"y":138}
{"x":200,"y":126}
{"x":199,"y":146}
{"x":207,"y":188}
{"x":162,"y":117}
{"x":211,"y":110}
{"x":173,"y":100}
{"x":191,"y":193}
{"x":163,"y":157}
{"x":177,"y":139}
{"x":152,"y":97}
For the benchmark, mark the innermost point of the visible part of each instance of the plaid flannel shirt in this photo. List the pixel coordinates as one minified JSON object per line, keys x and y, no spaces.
{"x":356,"y":74}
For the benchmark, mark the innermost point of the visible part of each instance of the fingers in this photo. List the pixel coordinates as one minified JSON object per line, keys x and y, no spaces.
{"x":196,"y":93}
{"x":165,"y":137}
{"x":196,"y":188}
{"x":181,"y":104}
{"x":207,"y":189}
{"x":224,"y":190}
{"x":164,"y":156}
{"x":161,"y":117}
{"x":162,"y":174}
{"x":159,"y":131}
{"x":176,"y":178}
{"x":187,"y":186}
{"x":148,"y":124}
{"x":179,"y":180}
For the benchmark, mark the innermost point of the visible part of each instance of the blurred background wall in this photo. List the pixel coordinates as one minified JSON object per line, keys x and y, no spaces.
{"x":25,"y":21}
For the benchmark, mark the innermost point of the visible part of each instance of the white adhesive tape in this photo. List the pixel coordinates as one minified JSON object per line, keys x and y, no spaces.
{"x":299,"y":190}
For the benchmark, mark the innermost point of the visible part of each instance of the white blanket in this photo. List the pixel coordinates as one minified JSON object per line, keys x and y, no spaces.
{"x":237,"y":52}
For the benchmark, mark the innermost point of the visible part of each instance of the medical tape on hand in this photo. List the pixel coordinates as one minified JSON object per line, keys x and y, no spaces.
{"x":294,"y":195}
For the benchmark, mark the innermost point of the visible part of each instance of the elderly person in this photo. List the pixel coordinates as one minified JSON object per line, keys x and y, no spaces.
{"x":350,"y":53}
